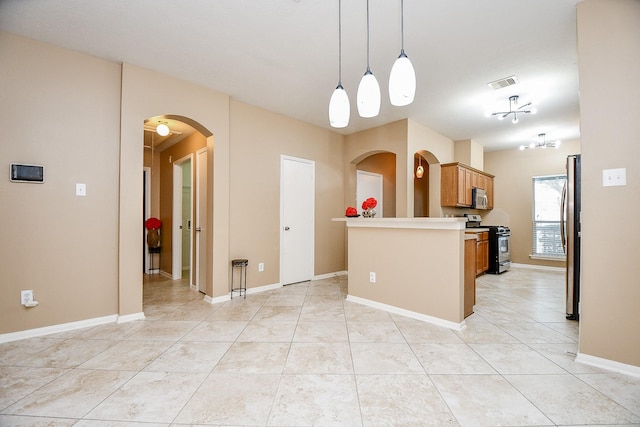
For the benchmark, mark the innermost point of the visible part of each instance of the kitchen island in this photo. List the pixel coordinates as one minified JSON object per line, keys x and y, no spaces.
{"x":409,"y":266}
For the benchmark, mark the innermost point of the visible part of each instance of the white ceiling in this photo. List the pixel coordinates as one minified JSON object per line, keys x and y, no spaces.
{"x":282,"y":55}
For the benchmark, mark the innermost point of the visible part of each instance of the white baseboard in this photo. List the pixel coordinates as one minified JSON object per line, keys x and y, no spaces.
{"x":407,"y":313}
{"x":227,"y":297}
{"x":537,"y":267}
{"x":609,"y":365}
{"x":54,"y":329}
{"x":131,"y":317}
{"x":330,"y":275}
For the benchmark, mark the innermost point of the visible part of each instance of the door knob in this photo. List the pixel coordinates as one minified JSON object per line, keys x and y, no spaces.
{"x":198,"y":229}
{"x":286,"y":228}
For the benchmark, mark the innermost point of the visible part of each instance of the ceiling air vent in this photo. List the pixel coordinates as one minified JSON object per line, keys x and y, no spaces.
{"x":505,"y":82}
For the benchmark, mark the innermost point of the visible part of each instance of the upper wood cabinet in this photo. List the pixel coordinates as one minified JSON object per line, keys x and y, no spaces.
{"x":457,"y":181}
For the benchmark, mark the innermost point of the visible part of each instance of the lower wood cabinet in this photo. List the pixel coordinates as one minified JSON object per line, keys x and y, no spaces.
{"x":482,"y":251}
{"x":469,"y":276}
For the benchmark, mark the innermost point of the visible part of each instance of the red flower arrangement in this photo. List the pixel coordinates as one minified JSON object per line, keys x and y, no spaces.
{"x":153,"y":224}
{"x":367,"y":207}
{"x":351,"y":212}
{"x":370,"y":203}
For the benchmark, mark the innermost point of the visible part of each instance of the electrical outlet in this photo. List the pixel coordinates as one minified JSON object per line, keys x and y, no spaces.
{"x":372,"y":277}
{"x":261,"y":266}
{"x":26,"y":297}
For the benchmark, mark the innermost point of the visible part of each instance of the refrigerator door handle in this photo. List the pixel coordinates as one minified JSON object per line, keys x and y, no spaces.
{"x":563,"y":207}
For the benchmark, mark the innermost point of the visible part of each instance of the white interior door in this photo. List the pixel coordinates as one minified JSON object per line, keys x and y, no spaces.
{"x":369,"y":184}
{"x":180,"y":220}
{"x":297,"y":202}
{"x":201,"y":221}
{"x":147,"y":213}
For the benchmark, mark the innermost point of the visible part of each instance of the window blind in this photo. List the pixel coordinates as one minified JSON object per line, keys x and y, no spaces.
{"x":547,"y":195}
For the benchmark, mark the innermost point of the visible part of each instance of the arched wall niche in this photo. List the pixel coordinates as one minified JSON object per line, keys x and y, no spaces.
{"x":426,"y":190}
{"x":383,"y":163}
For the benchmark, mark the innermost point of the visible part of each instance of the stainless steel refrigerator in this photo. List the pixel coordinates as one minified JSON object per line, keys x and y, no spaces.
{"x":570,"y":230}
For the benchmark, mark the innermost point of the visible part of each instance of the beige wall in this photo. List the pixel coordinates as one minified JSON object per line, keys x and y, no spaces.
{"x":425,"y":279}
{"x":609,"y":65}
{"x":391,"y":138}
{"x":60,"y":109}
{"x":208,"y":109}
{"x":513,"y":192}
{"x":436,"y":149}
{"x":470,"y":153}
{"x":259,"y":139}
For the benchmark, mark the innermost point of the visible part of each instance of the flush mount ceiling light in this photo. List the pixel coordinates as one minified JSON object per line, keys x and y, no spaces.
{"x":515,"y":110}
{"x":339,"y":107}
{"x":542,"y":143}
{"x":368,"y":98}
{"x":162,"y":129}
{"x":402,"y":80}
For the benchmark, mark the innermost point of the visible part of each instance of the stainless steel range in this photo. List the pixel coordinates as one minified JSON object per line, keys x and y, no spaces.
{"x":499,"y":244}
{"x":499,"y":249}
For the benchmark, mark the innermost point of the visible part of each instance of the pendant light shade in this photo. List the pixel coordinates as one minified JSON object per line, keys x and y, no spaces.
{"x":402,"y":80}
{"x":369,"y":90}
{"x":368,"y":96}
{"x":419,"y":169}
{"x":339,"y":108}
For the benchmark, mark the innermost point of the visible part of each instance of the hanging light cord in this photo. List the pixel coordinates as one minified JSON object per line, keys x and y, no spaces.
{"x":402,"y":26}
{"x":340,"y":43}
{"x":368,"y":69}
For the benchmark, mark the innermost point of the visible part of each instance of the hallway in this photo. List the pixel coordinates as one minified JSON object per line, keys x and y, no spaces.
{"x":302,"y":355}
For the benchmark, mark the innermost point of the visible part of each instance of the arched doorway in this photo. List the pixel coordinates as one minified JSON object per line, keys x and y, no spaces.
{"x":177,"y":170}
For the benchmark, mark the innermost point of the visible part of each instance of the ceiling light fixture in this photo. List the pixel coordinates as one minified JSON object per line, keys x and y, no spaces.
{"x":515,"y":110}
{"x":542,"y":143}
{"x":402,"y":80}
{"x":162,"y":129}
{"x":368,"y":98}
{"x":339,"y":107}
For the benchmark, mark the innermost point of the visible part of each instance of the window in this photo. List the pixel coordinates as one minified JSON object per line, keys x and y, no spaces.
{"x":547,"y":195}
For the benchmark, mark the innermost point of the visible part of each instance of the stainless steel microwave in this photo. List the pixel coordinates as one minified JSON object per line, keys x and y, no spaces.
{"x":480,"y":200}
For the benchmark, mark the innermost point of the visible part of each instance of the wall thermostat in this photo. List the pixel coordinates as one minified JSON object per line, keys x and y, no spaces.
{"x":26,"y":173}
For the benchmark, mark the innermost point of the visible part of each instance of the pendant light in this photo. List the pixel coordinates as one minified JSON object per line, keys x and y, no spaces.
{"x":368,"y":98}
{"x":402,"y":80}
{"x":339,"y":107}
{"x":419,"y":169}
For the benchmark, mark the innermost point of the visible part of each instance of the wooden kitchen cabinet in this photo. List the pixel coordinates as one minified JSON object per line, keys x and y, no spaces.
{"x":469,"y":276}
{"x":489,"y":190}
{"x":482,"y":251}
{"x":457,"y":182}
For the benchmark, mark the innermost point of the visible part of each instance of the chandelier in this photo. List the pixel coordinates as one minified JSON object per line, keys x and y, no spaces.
{"x":515,"y":110}
{"x":542,"y":143}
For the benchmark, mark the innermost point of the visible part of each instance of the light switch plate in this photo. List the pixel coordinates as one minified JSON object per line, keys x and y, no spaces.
{"x":614,"y":177}
{"x":81,"y":190}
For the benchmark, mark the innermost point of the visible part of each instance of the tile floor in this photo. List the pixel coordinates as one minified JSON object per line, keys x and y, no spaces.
{"x":304,"y":356}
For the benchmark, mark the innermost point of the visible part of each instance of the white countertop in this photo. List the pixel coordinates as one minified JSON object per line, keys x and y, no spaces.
{"x":417,"y":223}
